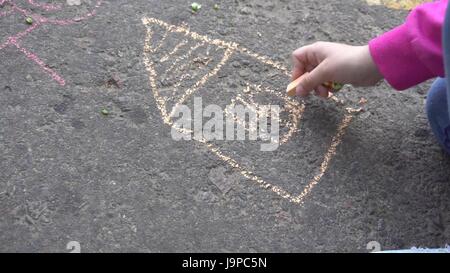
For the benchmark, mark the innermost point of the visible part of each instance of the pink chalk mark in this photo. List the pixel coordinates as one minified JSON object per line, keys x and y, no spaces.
{"x":40,"y":20}
{"x":18,"y":36}
{"x":46,"y":7}
{"x":36,"y":17}
{"x":39,"y":62}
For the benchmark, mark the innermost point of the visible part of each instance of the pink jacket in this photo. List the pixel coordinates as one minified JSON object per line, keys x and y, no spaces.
{"x":412,"y":53}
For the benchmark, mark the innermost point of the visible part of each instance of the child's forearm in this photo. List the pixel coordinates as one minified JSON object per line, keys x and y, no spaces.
{"x":412,"y":52}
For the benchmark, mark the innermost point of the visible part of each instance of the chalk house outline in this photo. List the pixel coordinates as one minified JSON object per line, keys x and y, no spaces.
{"x":229,"y":49}
{"x":39,"y":21}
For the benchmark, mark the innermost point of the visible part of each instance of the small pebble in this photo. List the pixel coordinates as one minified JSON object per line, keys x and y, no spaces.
{"x":245,"y":11}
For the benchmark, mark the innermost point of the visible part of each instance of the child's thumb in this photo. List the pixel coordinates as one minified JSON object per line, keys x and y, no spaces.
{"x":311,"y":80}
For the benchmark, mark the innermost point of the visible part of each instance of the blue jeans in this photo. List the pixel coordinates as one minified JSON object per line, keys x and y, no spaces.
{"x":438,"y":104}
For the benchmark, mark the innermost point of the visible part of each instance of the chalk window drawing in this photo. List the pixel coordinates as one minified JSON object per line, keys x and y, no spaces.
{"x":180,"y":63}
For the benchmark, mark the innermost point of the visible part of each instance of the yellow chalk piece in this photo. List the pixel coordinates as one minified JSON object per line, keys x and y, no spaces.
{"x":290,"y":90}
{"x":397,"y":4}
{"x":332,"y":86}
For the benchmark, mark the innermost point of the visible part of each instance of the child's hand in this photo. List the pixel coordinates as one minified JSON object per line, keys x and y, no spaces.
{"x":333,"y":62}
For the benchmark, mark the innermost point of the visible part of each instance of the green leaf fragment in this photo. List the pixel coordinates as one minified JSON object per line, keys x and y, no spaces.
{"x":337,"y":86}
{"x":104,"y":112}
{"x":196,"y":7}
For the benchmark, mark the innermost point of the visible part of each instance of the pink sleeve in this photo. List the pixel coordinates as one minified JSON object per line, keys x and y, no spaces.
{"x":412,"y":53}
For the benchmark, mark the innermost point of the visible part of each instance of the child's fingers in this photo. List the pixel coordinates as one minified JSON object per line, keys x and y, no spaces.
{"x":312,"y":80}
{"x":302,"y":53}
{"x":298,"y":69}
{"x":310,"y":67}
{"x":322,"y":91}
{"x":301,"y":92}
{"x":300,"y":61}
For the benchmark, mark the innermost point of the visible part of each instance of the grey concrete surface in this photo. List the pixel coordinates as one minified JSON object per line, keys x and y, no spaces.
{"x":119,"y":183}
